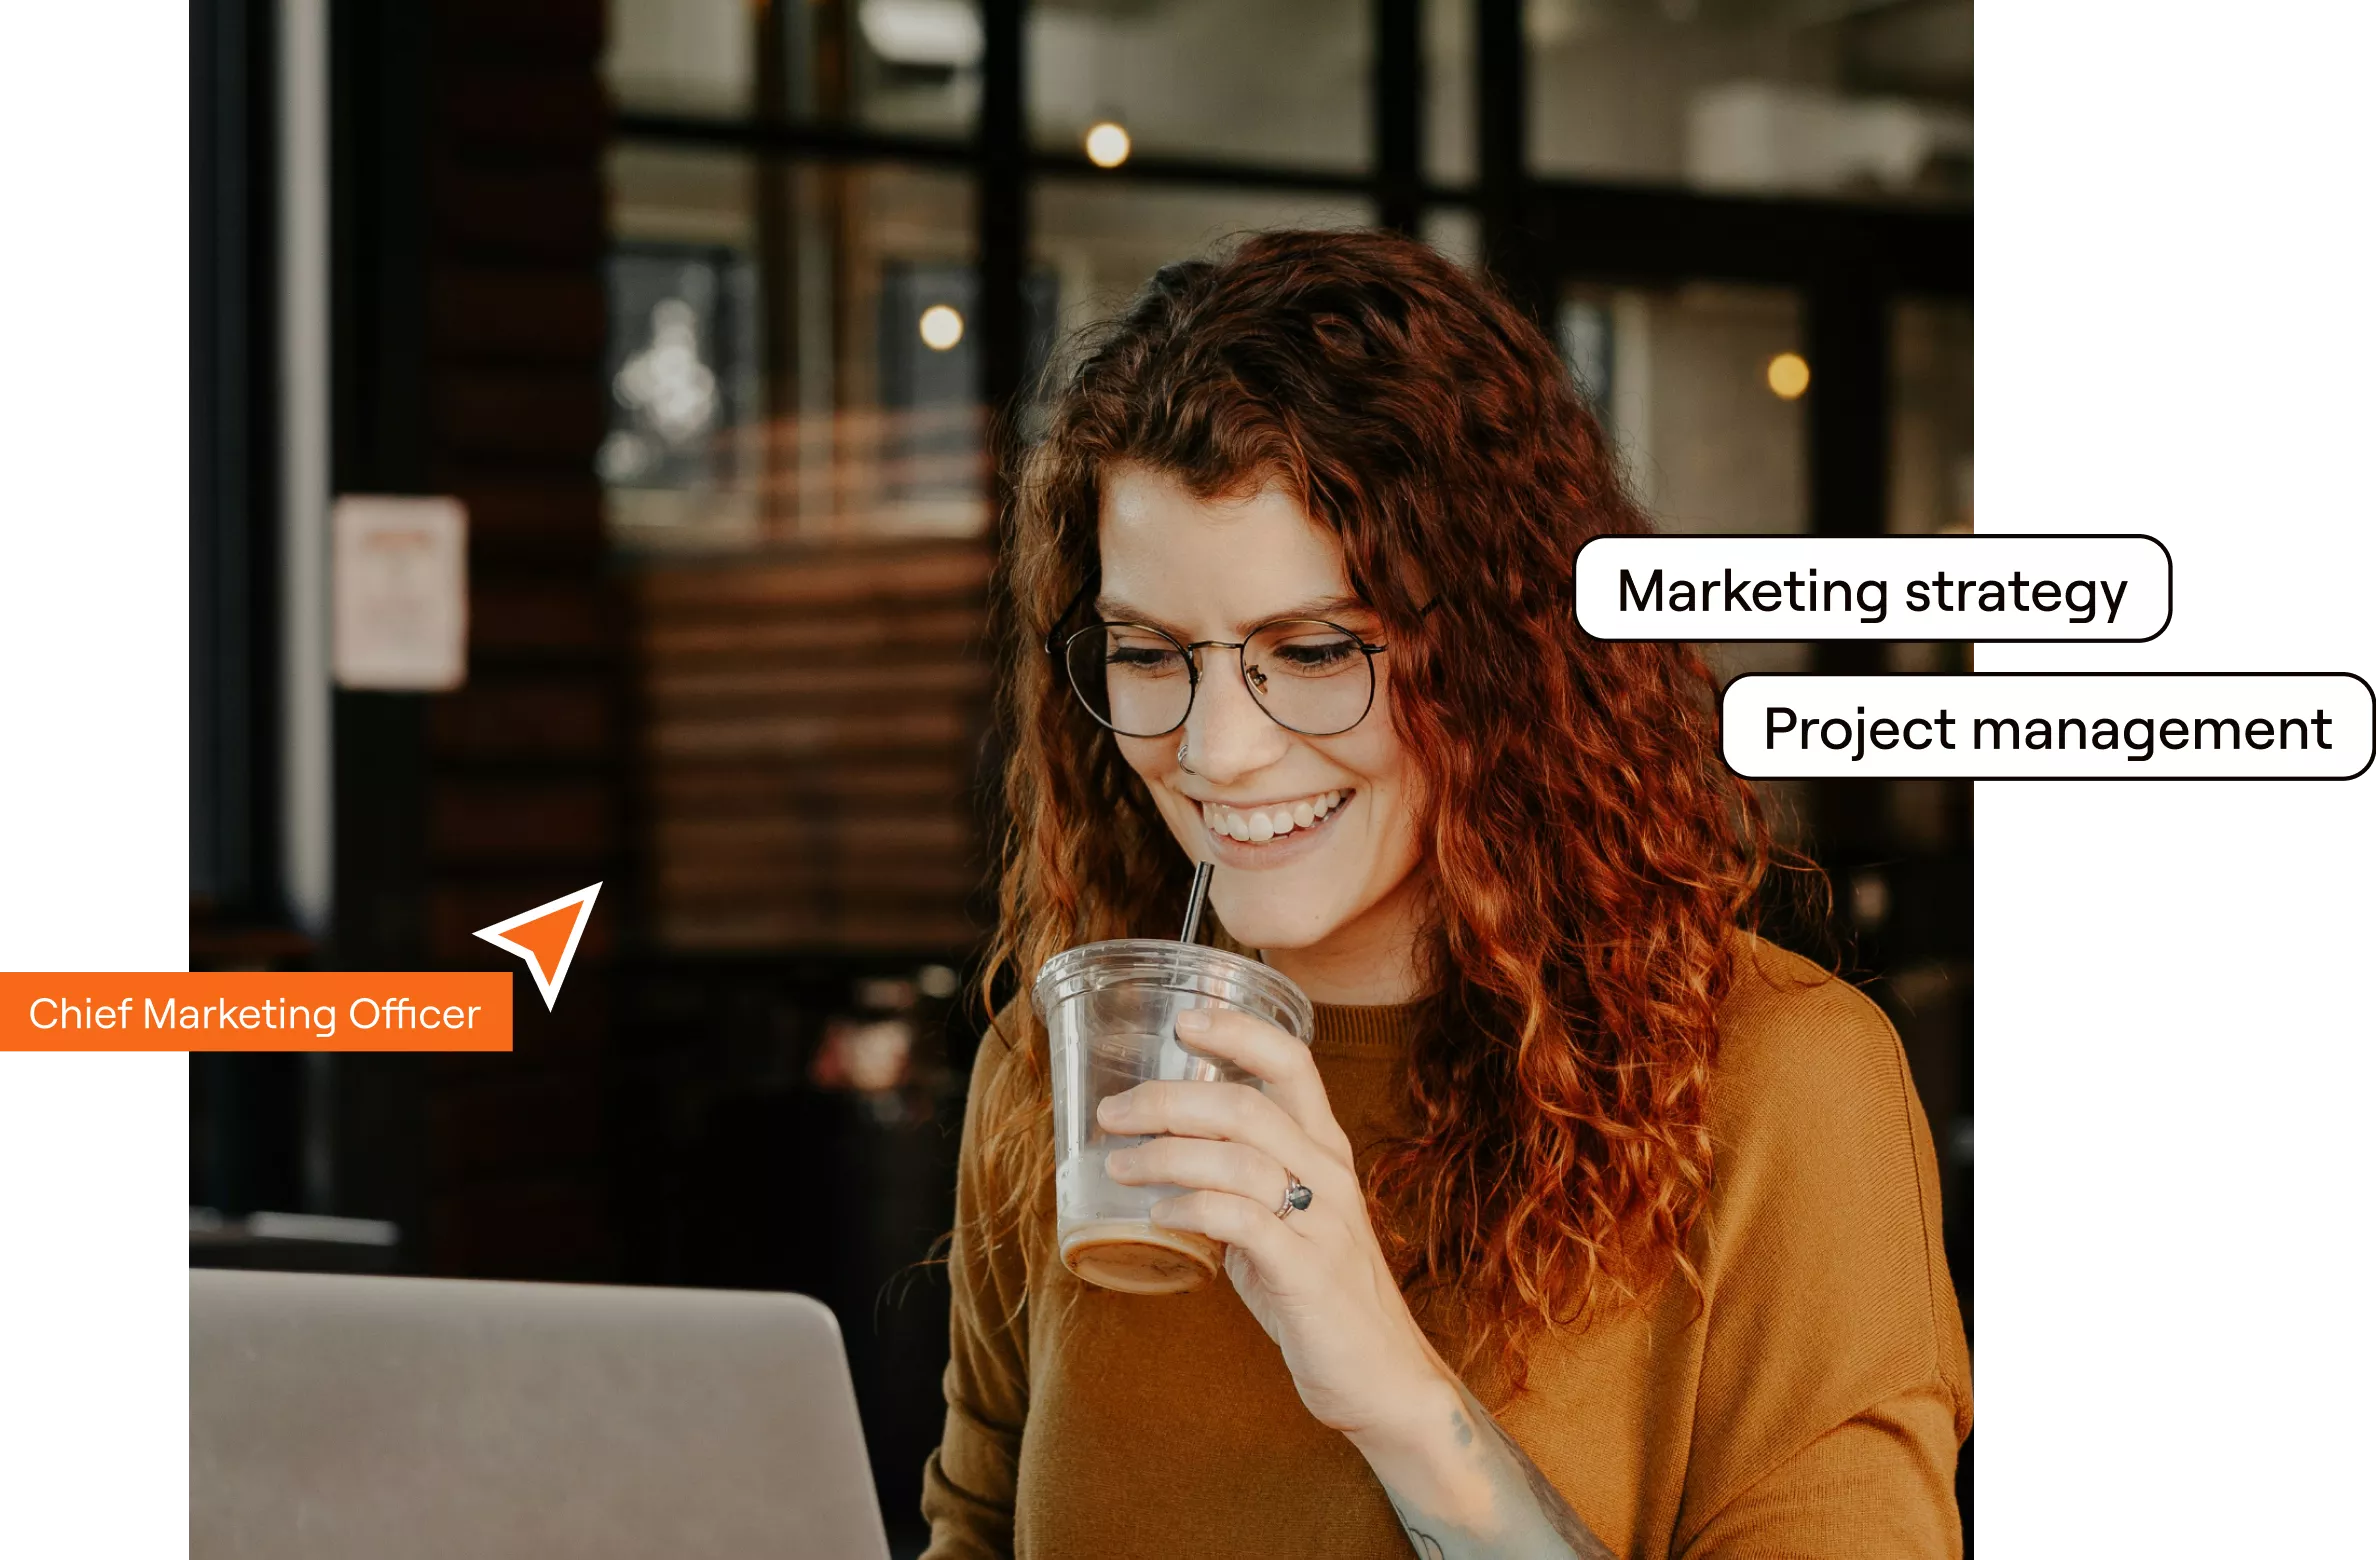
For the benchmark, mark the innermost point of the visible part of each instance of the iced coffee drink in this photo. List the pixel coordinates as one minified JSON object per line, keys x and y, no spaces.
{"x":1109,"y":1008}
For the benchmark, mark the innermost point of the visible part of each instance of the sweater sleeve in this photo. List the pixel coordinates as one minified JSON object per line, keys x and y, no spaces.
{"x":1874,"y":1485}
{"x":1835,"y":1387}
{"x":969,"y":1480}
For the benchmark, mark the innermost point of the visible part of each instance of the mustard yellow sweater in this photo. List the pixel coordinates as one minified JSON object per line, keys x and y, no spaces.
{"x":1813,"y":1408}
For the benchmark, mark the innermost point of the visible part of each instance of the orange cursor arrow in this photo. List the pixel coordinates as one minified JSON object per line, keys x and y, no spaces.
{"x":546,"y":937}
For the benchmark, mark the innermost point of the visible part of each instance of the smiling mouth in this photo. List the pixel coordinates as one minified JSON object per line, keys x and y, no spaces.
{"x":1274,"y":820}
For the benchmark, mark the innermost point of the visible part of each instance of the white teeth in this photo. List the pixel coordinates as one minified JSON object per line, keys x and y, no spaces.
{"x":1274,"y":822}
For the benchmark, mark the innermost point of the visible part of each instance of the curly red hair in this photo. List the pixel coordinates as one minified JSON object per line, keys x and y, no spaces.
{"x":1590,"y":855}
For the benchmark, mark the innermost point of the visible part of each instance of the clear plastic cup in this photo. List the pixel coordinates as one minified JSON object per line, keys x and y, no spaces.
{"x":1109,"y":1008}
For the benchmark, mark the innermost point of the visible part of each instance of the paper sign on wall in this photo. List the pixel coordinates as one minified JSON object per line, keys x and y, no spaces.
{"x":400,"y":593}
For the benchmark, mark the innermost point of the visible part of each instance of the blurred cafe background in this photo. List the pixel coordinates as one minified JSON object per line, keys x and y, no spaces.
{"x":711,"y":315}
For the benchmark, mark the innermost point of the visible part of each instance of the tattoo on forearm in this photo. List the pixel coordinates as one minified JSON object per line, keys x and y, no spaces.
{"x":1549,"y":1501}
{"x":1545,"y":1526}
{"x":1421,"y":1544}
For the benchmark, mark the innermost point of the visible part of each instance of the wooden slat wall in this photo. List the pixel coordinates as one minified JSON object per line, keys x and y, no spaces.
{"x":808,"y":724}
{"x":527,"y":781}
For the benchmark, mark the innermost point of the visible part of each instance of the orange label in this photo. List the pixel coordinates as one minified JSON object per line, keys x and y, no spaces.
{"x":249,"y":1011}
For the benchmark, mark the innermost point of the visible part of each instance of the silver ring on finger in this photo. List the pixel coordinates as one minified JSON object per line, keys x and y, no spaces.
{"x":1296,"y":1198}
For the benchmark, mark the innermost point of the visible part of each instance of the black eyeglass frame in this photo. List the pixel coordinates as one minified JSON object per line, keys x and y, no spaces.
{"x":1057,"y":642}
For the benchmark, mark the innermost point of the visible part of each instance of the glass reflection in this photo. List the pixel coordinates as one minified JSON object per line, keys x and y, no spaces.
{"x":1752,"y":96}
{"x":1247,"y":80}
{"x":907,"y":65}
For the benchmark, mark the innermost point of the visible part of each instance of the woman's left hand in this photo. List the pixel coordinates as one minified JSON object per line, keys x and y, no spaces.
{"x":1316,"y":1279}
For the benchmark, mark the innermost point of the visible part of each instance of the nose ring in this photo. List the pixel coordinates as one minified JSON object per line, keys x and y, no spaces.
{"x":1181,"y":757}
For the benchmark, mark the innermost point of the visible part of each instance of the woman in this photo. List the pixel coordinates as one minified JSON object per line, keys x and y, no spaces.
{"x":1622,"y":1227}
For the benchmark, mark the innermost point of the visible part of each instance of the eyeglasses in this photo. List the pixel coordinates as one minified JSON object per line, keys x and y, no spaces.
{"x":1311,"y":676}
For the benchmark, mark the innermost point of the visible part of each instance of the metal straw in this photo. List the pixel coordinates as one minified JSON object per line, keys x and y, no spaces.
{"x":1196,"y":901}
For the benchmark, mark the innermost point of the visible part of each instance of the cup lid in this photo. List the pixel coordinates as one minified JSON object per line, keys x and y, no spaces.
{"x":1163,"y":962}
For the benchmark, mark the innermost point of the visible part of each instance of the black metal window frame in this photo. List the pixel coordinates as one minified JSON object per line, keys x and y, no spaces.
{"x":1847,"y":260}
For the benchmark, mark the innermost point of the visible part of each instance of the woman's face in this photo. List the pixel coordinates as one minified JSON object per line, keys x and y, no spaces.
{"x":1314,"y":839}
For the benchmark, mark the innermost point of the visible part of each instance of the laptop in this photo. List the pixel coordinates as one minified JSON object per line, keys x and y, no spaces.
{"x":370,"y":1417}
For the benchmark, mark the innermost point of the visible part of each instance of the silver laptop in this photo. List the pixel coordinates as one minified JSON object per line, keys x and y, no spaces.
{"x":369,"y":1417}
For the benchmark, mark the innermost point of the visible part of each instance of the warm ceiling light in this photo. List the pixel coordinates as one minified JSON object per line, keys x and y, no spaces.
{"x":1787,"y":375}
{"x":941,"y":326}
{"x":1107,"y":144}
